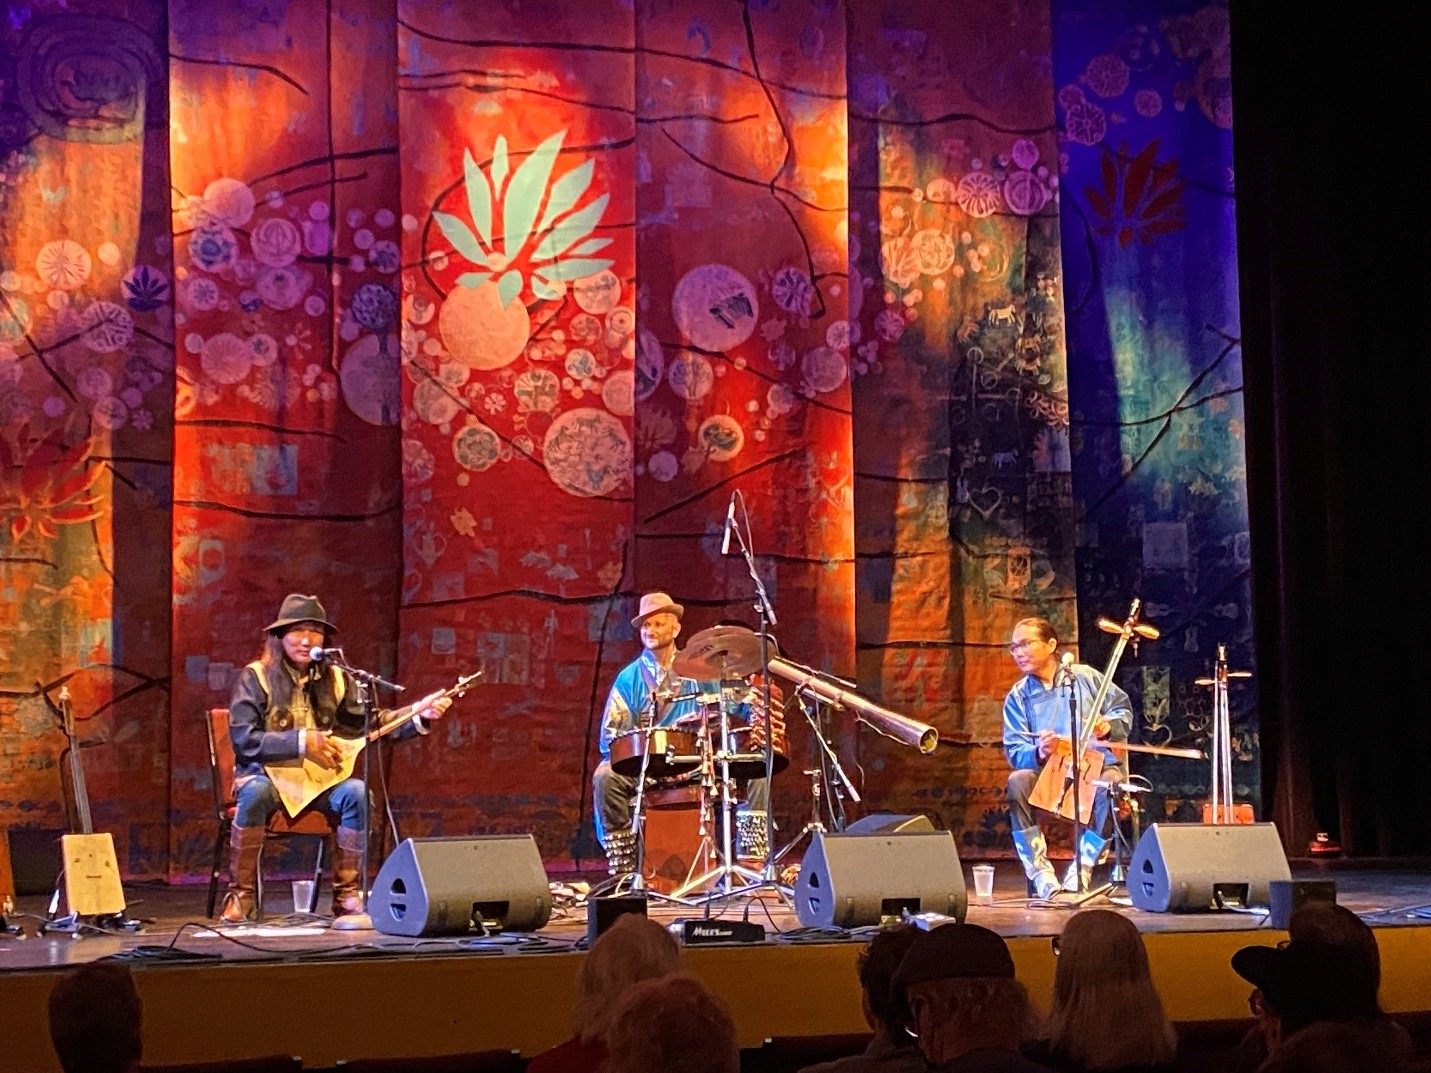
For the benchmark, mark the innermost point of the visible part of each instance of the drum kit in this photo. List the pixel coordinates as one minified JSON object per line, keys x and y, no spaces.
{"x":707,"y":752}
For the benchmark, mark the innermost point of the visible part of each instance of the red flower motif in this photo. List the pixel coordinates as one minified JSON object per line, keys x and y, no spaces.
{"x":51,"y":486}
{"x":1140,"y":199}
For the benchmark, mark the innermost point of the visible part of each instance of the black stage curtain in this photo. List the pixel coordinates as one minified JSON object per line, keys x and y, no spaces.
{"x":1332,"y":251}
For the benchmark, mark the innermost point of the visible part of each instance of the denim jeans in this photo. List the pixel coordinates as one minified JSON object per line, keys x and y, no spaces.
{"x":258,"y":800}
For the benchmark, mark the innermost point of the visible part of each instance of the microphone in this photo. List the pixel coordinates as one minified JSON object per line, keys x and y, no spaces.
{"x":729,"y":525}
{"x":1065,"y":664}
{"x":318,"y":655}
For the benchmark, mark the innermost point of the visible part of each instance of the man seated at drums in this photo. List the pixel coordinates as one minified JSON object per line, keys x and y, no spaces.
{"x":1036,"y":717}
{"x":648,"y":692}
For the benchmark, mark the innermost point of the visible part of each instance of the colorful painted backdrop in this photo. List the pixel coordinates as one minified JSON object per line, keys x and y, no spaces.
{"x":473,"y":320}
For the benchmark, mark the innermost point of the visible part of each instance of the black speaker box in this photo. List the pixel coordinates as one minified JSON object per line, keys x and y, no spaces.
{"x":1290,"y":895}
{"x":855,"y":879}
{"x":457,"y":886}
{"x":886,"y":823}
{"x":601,"y":913}
{"x":1188,"y":867}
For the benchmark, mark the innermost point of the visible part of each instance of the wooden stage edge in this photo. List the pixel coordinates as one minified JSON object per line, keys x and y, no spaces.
{"x":392,"y":997}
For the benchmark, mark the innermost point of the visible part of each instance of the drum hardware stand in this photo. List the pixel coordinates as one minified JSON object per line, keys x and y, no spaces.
{"x":823,"y":786}
{"x":1222,"y":798}
{"x":636,"y":878}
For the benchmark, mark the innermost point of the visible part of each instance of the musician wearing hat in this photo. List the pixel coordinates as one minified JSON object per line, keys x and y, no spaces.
{"x":1036,"y":718}
{"x":286,"y":706}
{"x":649,"y":692}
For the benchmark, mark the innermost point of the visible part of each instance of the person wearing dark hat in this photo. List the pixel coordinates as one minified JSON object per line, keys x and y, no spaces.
{"x":646,"y":692}
{"x":286,"y":706}
{"x":1319,"y":986}
{"x":966,"y":1009}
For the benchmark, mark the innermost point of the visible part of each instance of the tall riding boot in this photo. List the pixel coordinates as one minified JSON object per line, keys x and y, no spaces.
{"x":1090,"y":851}
{"x":1033,"y":855}
{"x":245,"y":847}
{"x":348,"y":872}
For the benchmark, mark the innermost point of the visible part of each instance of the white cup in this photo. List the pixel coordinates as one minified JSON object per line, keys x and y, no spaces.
{"x":302,"y":894}
{"x":984,"y":883}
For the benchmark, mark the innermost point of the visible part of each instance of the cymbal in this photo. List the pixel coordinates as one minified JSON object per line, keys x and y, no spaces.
{"x":719,"y":652}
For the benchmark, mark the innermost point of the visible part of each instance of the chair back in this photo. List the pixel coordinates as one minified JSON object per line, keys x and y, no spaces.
{"x":221,"y":760}
{"x":495,"y":1061}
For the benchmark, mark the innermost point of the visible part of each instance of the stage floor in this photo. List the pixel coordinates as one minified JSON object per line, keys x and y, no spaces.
{"x":173,"y":919}
{"x":515,"y":990}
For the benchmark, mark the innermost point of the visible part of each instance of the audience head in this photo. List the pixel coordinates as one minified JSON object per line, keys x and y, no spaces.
{"x":672,"y":1025}
{"x":884,"y":1007}
{"x":958,"y":982}
{"x":95,"y":1019}
{"x":1102,"y":978}
{"x":1328,"y":970}
{"x":631,"y":950}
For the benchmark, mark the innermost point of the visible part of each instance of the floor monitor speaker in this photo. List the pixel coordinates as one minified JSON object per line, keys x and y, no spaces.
{"x":854,"y":879}
{"x":1191,"y":867}
{"x":461,"y":886}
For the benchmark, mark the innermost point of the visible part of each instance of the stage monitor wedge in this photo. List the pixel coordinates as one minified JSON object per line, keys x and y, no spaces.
{"x":852,"y":880}
{"x":887,"y":823}
{"x":461,"y":886}
{"x":1190,"y":867}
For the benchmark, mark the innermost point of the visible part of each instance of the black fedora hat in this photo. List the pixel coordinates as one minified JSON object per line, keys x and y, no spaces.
{"x":299,"y":608}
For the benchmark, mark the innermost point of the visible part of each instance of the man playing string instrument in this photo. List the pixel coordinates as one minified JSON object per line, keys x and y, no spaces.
{"x":1036,"y":717}
{"x":286,"y":706}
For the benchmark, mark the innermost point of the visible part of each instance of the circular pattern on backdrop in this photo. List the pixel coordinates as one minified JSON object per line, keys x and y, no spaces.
{"x":370,"y":381}
{"x":691,"y":377}
{"x":650,"y":363}
{"x":226,"y":358}
{"x":618,"y":393}
{"x":228,"y":201}
{"x":375,"y":306}
{"x":479,"y":332}
{"x":823,"y":369}
{"x":276,"y":242}
{"x":715,"y":307}
{"x":107,"y":327}
{"x":587,"y":452}
{"x":597,"y":294}
{"x":433,"y":403}
{"x":580,"y":364}
{"x":63,"y":264}
{"x":212,"y":248}
{"x":721,"y":437}
{"x":476,"y":447}
{"x":537,"y":390}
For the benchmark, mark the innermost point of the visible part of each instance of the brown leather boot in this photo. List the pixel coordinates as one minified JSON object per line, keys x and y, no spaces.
{"x":245,"y":847}
{"x":347,"y":872}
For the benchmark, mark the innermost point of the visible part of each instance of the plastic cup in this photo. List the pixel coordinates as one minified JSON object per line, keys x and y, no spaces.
{"x":302,"y":895}
{"x":984,"y":883}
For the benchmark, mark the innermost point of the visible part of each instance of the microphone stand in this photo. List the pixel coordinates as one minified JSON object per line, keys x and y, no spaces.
{"x":366,"y":682}
{"x":1075,"y":731}
{"x":766,"y":612}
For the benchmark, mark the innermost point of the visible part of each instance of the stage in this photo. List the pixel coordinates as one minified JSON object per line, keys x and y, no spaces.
{"x":415,"y":997}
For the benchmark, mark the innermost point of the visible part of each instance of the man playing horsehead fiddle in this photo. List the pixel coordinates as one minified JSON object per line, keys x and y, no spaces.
{"x":1036,"y":716}
{"x":285,"y":706}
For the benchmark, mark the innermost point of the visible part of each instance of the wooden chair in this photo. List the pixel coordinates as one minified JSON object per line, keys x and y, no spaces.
{"x":310,"y":822}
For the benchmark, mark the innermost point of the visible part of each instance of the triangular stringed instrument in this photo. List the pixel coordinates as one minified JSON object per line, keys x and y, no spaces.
{"x":300,"y":780}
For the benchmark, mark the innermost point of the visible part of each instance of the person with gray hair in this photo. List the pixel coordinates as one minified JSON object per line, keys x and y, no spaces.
{"x":968,"y":1012}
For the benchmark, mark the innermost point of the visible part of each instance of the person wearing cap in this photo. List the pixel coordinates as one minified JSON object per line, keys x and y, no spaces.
{"x":285,"y":705}
{"x":968,"y":1012}
{"x":646,"y":692}
{"x":1319,"y":987}
{"x":1035,"y":717}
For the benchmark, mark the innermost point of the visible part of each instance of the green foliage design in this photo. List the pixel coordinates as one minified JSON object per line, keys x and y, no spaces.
{"x":545,"y":240}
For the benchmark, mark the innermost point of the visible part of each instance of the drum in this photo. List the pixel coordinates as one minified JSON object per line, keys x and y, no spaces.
{"x":673,"y":752}
{"x":748,"y":741}
{"x":673,"y":837}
